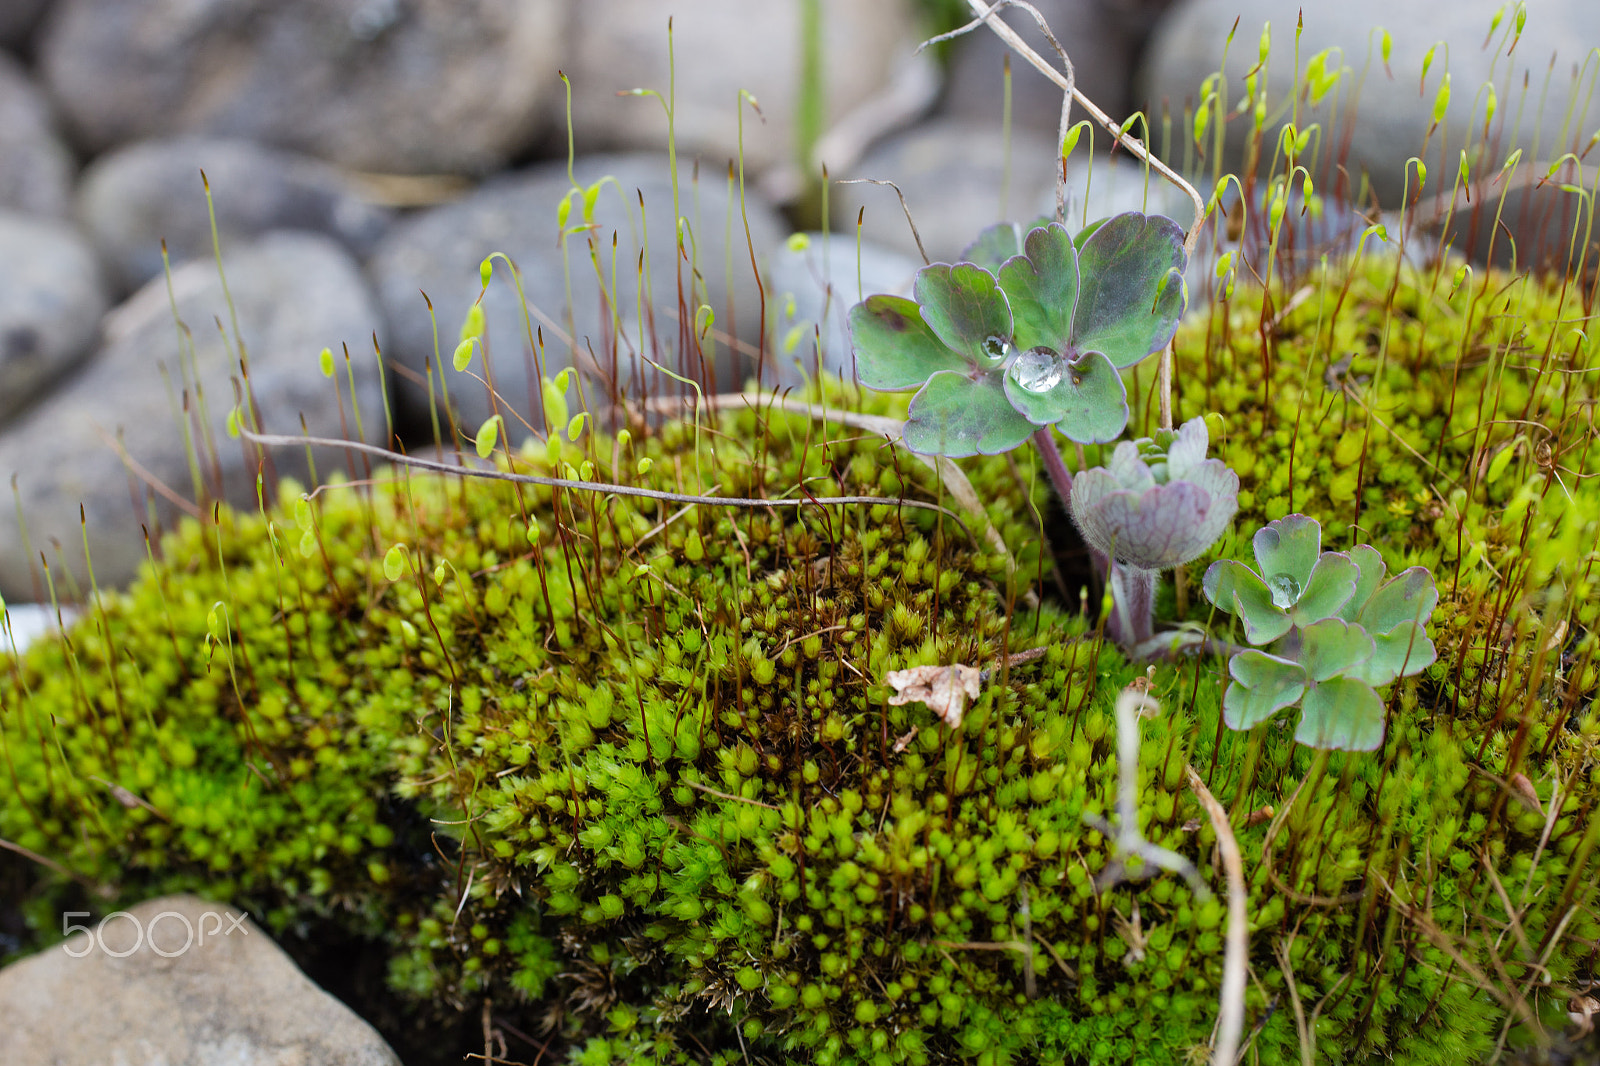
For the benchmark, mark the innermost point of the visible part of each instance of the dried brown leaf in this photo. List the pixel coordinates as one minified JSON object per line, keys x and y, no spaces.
{"x":945,"y":689}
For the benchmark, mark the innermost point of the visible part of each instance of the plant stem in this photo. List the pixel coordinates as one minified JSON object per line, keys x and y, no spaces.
{"x":1133,"y":592}
{"x":1060,"y":477}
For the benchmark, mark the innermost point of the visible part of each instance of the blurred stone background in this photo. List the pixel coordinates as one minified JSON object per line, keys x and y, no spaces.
{"x":363,"y":153}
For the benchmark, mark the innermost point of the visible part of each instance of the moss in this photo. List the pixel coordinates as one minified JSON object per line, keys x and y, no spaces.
{"x":628,"y":770}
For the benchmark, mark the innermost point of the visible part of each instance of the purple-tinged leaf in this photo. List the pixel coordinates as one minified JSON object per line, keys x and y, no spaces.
{"x":1332,"y":581}
{"x":1401,"y":652}
{"x":1131,"y":290}
{"x":1188,"y":449}
{"x":1222,"y":485}
{"x":1262,"y":686}
{"x":956,"y":415}
{"x":1128,"y":469}
{"x":895,"y":349}
{"x":1086,"y":232}
{"x":965,"y":308}
{"x":1342,"y":714}
{"x":1370,"y":563}
{"x":994,"y":246}
{"x":1409,"y":596}
{"x":1042,"y":286}
{"x":1086,"y":399}
{"x":1239,"y":590}
{"x":1153,"y":530}
{"x":1332,"y":647}
{"x":1288,"y":548}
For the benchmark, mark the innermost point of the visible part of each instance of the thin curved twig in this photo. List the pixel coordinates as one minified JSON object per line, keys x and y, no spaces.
{"x":987,"y":13}
{"x":1235,"y":963}
{"x":607,"y":488}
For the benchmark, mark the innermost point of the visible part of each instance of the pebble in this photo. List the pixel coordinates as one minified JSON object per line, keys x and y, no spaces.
{"x":1394,"y":116}
{"x":35,"y":166}
{"x":132,"y":199}
{"x":176,"y":981}
{"x":952,"y":174}
{"x":51,"y":300}
{"x":723,"y":47}
{"x":438,"y":252}
{"x":294,"y":293}
{"x":407,"y":86}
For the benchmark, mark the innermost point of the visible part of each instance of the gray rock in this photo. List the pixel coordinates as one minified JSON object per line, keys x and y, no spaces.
{"x":133,"y":199}
{"x":35,"y":166}
{"x":51,"y":300}
{"x":410,"y":86}
{"x":952,"y":174}
{"x":17,"y":19}
{"x":439,"y":251}
{"x":294,"y":294}
{"x":1102,"y":38}
{"x":193,"y":989}
{"x":1392,"y":116}
{"x":814,"y":287}
{"x":722,"y":47}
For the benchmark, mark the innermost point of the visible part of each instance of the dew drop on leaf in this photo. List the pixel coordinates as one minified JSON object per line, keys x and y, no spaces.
{"x":997,"y":347}
{"x":1285,"y":590}
{"x":1037,"y":370}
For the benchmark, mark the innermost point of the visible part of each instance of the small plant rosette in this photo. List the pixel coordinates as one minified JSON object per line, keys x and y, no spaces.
{"x":1160,"y":502}
{"x":1025,"y":333}
{"x":1338,"y":631}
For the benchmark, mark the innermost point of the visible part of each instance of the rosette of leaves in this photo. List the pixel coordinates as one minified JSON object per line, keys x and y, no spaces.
{"x":1160,"y":502}
{"x":1029,"y":333}
{"x":1336,"y":630}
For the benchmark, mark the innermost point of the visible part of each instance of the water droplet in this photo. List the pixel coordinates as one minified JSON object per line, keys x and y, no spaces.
{"x":1037,"y":370}
{"x":997,"y":347}
{"x":1285,"y":590}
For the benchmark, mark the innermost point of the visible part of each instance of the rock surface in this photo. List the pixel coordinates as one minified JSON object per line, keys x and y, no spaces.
{"x":1102,"y":37}
{"x":438,"y":252}
{"x":814,"y":286}
{"x":1393,"y":115}
{"x":952,"y":174}
{"x":196,"y":984}
{"x":17,"y":19}
{"x":133,"y":199}
{"x":35,"y":166}
{"x":722,"y":46}
{"x":416,"y":86}
{"x":294,"y":294}
{"x":51,"y":300}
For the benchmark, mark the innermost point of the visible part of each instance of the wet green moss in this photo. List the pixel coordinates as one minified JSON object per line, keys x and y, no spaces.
{"x":629,"y":771}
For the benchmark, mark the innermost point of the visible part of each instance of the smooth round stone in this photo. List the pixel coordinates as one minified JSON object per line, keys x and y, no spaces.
{"x":293,"y":293}
{"x":1392,"y":115}
{"x":813,"y":288}
{"x":35,"y":166}
{"x":438,"y":253}
{"x":723,"y":48}
{"x":133,"y":199}
{"x":51,"y":300}
{"x":410,"y":86}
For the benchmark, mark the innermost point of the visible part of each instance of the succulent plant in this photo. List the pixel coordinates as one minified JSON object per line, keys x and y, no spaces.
{"x":1160,"y":502}
{"x":1030,"y":334}
{"x":1337,"y":632}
